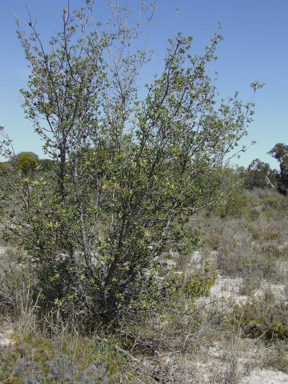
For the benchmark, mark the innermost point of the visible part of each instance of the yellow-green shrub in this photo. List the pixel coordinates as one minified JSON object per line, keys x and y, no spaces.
{"x":262,"y":317}
{"x":195,"y":285}
{"x":272,"y":202}
{"x":265,"y":232}
{"x":35,"y":358}
{"x":236,"y":206}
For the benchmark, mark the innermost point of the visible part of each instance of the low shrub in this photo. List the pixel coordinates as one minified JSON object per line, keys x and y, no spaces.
{"x":192,"y":286}
{"x":272,"y":202}
{"x":237,"y":206}
{"x":238,"y":264}
{"x":237,"y":259}
{"x":38,"y":359}
{"x":213,"y":241}
{"x":272,"y":250}
{"x":262,"y":193}
{"x":264,"y":232}
{"x":262,"y":317}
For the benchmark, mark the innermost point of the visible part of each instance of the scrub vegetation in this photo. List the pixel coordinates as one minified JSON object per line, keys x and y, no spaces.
{"x":112,"y":247}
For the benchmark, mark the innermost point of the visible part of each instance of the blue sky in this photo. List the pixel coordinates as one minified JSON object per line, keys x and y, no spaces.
{"x":255,"y":48}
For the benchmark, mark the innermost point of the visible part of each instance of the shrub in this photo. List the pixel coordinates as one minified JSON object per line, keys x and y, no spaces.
{"x":5,"y":166}
{"x":261,"y":317}
{"x":46,"y":164}
{"x":237,"y":255}
{"x":257,"y":194}
{"x":213,"y":241}
{"x":244,"y":264}
{"x":27,"y":164}
{"x":264,"y":232}
{"x":38,"y":359}
{"x":120,"y":198}
{"x":237,"y":206}
{"x":272,"y":202}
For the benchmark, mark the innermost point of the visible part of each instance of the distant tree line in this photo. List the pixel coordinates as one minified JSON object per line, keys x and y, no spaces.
{"x":258,"y":174}
{"x":27,"y":162}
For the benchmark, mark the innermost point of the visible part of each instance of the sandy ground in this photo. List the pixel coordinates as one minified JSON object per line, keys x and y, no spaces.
{"x":5,"y":333}
{"x":265,"y":376}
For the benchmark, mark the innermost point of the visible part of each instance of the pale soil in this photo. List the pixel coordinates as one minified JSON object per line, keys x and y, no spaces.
{"x":6,"y":331}
{"x":240,"y":361}
{"x":265,"y":376}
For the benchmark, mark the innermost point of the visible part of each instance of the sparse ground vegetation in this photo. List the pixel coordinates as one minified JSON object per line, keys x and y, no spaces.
{"x":224,"y":313}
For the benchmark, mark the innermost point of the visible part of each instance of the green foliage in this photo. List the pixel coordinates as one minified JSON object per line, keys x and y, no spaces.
{"x":129,"y":173}
{"x":27,"y":164}
{"x":262,"y":317}
{"x":233,"y":202}
{"x":5,"y":166}
{"x":256,"y":174}
{"x":177,"y":290}
{"x":280,"y":153}
{"x":198,"y":284}
{"x":272,"y":202}
{"x":234,"y":206}
{"x":46,"y":164}
{"x":29,"y":153}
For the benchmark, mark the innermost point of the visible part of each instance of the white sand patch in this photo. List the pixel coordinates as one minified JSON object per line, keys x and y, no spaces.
{"x":5,"y":334}
{"x":222,"y":293}
{"x":196,"y":259}
{"x":227,"y":288}
{"x":265,"y":376}
{"x":3,"y":250}
{"x":279,"y":291}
